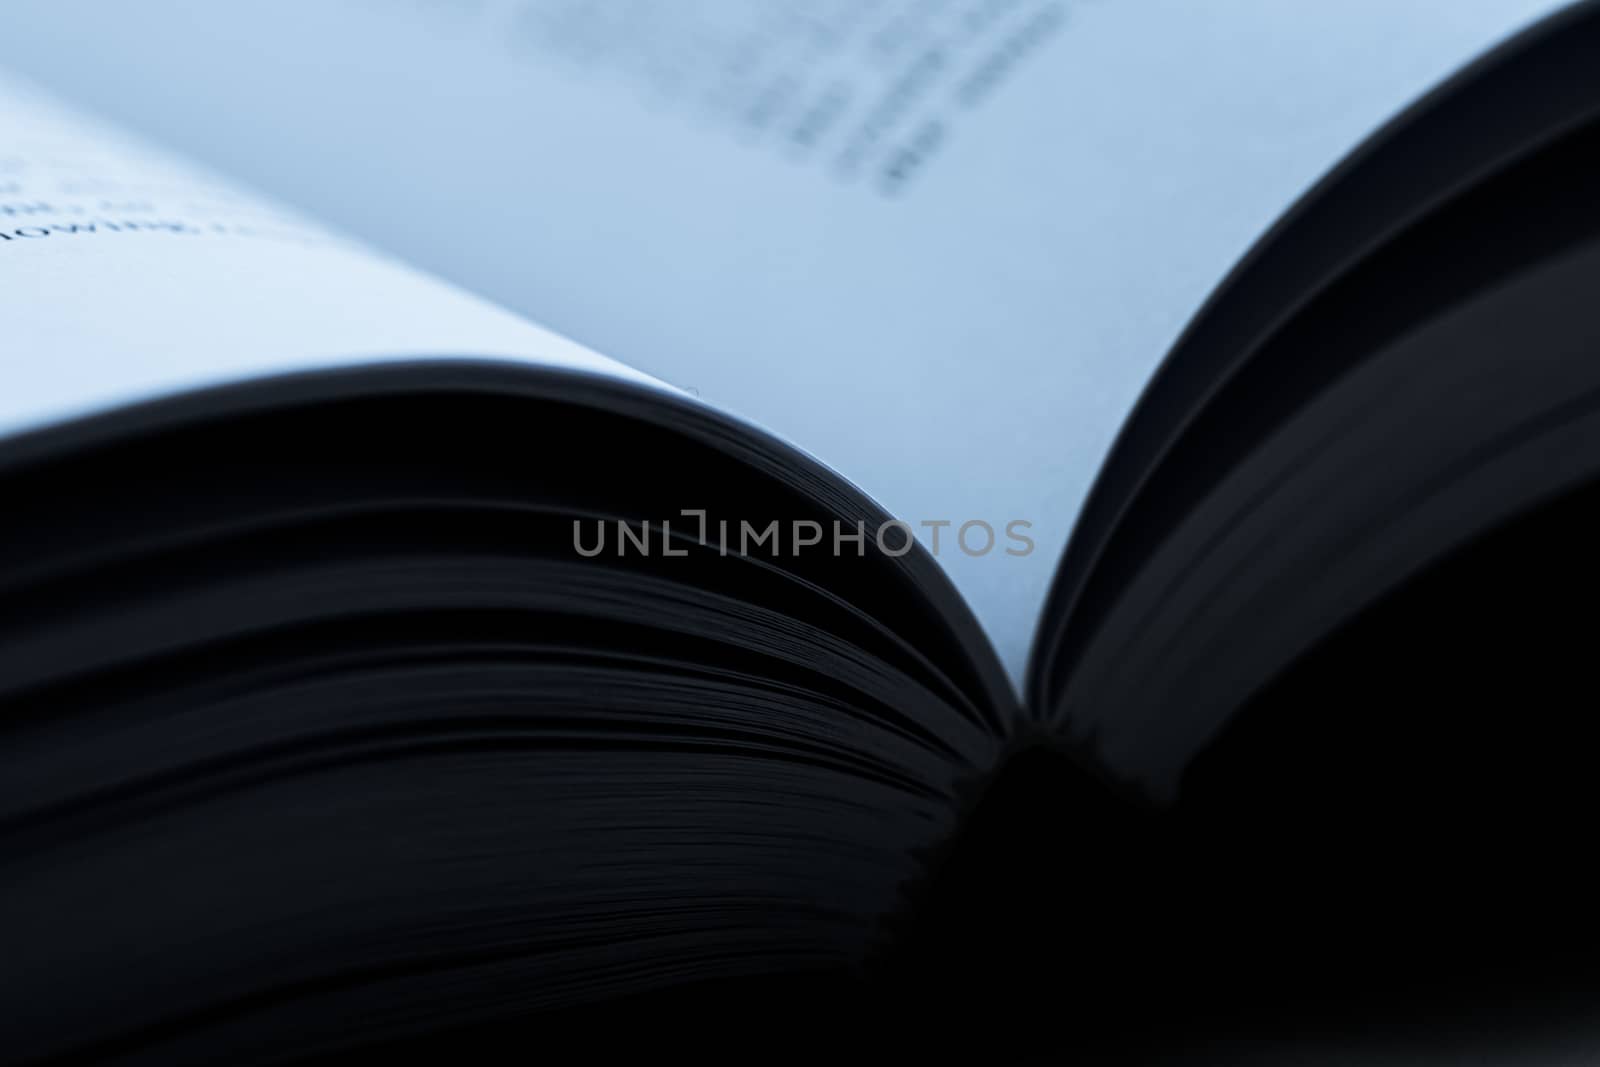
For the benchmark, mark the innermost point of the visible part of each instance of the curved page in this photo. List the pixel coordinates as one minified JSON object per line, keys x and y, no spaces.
{"x":939,"y":244}
{"x":125,"y":275}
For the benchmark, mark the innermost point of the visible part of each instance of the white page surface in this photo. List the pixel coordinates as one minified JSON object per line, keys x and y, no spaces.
{"x":125,"y":275}
{"x":940,"y":244}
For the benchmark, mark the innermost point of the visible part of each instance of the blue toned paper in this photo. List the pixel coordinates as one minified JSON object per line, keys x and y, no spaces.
{"x":940,"y":245}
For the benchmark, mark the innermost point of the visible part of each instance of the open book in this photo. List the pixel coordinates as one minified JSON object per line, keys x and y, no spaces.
{"x":510,"y":504}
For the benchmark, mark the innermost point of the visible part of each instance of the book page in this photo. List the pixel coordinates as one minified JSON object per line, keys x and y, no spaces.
{"x":125,"y":275}
{"x":939,"y":244}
